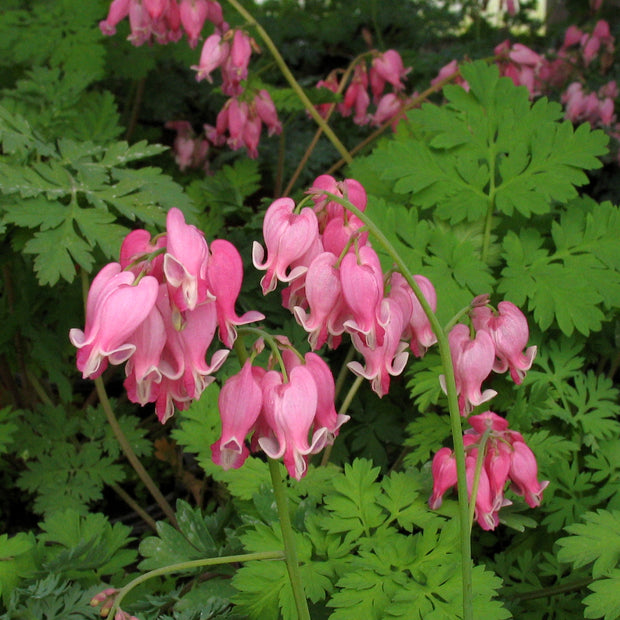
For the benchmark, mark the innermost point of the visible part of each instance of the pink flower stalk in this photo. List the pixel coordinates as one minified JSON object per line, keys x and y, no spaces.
{"x":115,"y":307}
{"x":509,"y":331}
{"x":473,"y":361}
{"x":240,"y":403}
{"x":225,"y":275}
{"x":506,"y":459}
{"x":287,"y":237}
{"x":185,"y":262}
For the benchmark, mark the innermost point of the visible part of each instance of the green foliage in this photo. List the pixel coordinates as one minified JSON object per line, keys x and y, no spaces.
{"x":197,"y":537}
{"x":490,"y":146}
{"x":63,"y":473}
{"x":72,"y":199}
{"x":577,"y":281}
{"x":83,"y":546}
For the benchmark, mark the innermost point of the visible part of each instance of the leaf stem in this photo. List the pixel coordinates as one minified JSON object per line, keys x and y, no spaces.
{"x":455,"y":416}
{"x":290,"y":554}
{"x":344,"y":153}
{"x":183,"y":566}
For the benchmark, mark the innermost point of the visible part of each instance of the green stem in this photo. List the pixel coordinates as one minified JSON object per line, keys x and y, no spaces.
{"x":552,"y":590}
{"x":131,"y":455}
{"x":290,"y":554}
{"x":183,"y":566}
{"x":293,"y":82}
{"x":455,"y":416}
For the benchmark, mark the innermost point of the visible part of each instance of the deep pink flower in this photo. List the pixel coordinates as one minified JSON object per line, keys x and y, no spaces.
{"x":444,"y":476}
{"x":267,"y":112}
{"x":240,"y":402}
{"x":387,"y":359}
{"x":225,"y":275}
{"x":524,"y":474}
{"x":387,"y":67}
{"x":214,"y":53}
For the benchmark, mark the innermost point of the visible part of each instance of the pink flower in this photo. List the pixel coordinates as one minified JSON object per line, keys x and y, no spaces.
{"x":193,"y":14}
{"x":323,"y":292}
{"x":510,"y":334}
{"x":214,"y":53}
{"x":185,"y":262}
{"x":115,"y":307}
{"x":289,"y":410}
{"x":473,"y":361}
{"x":267,"y":112}
{"x":524,"y":474}
{"x":225,"y":275}
{"x":362,"y":286}
{"x":417,"y":325}
{"x":387,"y":359}
{"x":444,"y":476}
{"x":119,"y":9}
{"x":235,"y":66}
{"x":387,"y":67}
{"x":240,"y":402}
{"x":287,"y":237}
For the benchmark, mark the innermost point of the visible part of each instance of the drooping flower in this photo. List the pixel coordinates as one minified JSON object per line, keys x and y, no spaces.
{"x":287,"y":237}
{"x":509,"y":331}
{"x":240,"y":402}
{"x":115,"y":308}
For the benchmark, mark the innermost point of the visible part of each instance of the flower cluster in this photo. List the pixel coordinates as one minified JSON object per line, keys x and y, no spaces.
{"x":279,"y":411}
{"x":336,"y":283}
{"x":504,"y":457}
{"x":562,"y":71}
{"x":385,"y":68}
{"x":497,"y":345}
{"x":240,"y":122}
{"x":190,"y":150}
{"x":163,"y":21}
{"x":158,"y":310}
